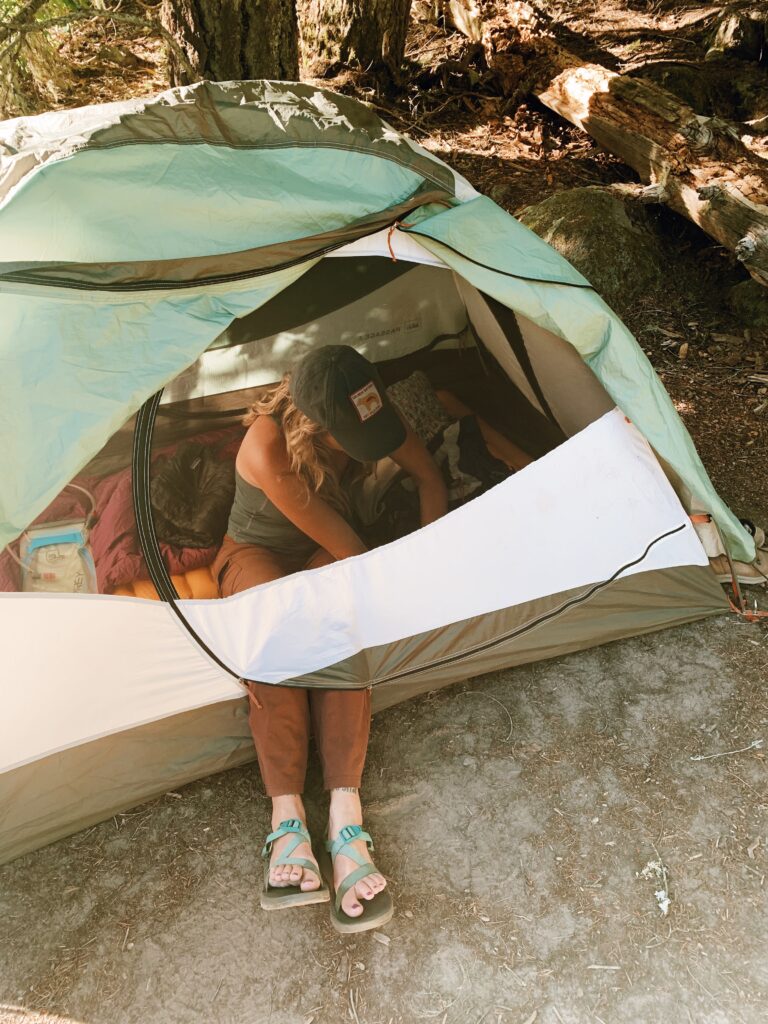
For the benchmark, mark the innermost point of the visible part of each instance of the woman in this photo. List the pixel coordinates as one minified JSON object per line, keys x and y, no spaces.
{"x":307,"y":438}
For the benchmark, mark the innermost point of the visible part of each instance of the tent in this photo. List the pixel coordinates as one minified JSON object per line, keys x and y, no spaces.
{"x":160,"y":260}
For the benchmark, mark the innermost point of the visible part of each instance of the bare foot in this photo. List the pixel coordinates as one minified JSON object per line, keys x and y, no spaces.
{"x":346,"y":810}
{"x":285,"y":808}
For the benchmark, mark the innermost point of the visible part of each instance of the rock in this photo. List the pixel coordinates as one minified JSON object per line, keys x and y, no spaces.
{"x":749,"y":301}
{"x":501,"y":194}
{"x":606,"y":235}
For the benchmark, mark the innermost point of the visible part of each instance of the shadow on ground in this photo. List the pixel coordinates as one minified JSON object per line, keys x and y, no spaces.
{"x":513,"y":816}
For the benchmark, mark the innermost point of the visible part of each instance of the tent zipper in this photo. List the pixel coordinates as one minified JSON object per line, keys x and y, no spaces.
{"x":486,"y":266}
{"x":145,"y":525}
{"x":497,"y":641}
{"x":200,"y":282}
{"x":243,"y":275}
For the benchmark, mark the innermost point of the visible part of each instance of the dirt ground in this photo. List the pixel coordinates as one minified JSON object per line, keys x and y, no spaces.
{"x":513,"y":816}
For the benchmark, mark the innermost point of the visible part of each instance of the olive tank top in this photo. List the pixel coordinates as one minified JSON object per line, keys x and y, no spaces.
{"x":254,"y":519}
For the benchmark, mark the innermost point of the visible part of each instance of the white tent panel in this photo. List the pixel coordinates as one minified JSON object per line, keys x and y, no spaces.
{"x":400,"y":317}
{"x":571,"y":519}
{"x":392,"y":244}
{"x":76,"y":668}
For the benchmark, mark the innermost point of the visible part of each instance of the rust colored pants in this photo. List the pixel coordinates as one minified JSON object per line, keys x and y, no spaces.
{"x":280,"y":716}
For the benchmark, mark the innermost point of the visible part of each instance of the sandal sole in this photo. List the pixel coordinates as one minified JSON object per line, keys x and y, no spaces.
{"x":298,"y":899}
{"x":376,"y":912}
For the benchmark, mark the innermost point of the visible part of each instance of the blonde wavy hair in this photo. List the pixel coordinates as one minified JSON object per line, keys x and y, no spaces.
{"x":310,"y":455}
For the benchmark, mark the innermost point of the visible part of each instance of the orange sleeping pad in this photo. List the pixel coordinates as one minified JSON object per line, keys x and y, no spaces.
{"x":198,"y":583}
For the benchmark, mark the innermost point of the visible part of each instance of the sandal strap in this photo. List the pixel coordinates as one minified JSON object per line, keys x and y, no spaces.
{"x":346,"y":836}
{"x":291,"y":825}
{"x":352,"y":878}
{"x":302,"y":862}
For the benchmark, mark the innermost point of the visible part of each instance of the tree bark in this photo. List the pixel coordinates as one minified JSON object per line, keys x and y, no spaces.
{"x":22,"y":17}
{"x":370,"y":32}
{"x":233,"y":39}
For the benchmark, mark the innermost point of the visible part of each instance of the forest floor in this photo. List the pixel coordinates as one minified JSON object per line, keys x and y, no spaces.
{"x":518,"y":819}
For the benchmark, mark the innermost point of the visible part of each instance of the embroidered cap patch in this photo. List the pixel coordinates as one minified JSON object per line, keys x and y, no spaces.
{"x":367,"y":401}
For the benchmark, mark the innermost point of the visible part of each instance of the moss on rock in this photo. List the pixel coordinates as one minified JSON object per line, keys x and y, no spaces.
{"x":749,"y":301}
{"x":607,"y":236}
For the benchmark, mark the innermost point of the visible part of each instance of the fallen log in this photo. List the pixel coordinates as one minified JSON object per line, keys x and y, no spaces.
{"x":696,"y":165}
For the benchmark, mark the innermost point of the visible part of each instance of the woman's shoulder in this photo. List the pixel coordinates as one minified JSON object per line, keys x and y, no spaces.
{"x":262,"y":451}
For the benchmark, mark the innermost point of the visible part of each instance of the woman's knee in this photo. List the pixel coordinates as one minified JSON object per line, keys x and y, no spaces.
{"x":320,"y":557}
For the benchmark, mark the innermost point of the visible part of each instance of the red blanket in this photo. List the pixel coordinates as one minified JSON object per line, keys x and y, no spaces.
{"x":113,"y":539}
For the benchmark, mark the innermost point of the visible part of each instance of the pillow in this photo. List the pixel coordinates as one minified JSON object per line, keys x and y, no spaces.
{"x":419,"y":406}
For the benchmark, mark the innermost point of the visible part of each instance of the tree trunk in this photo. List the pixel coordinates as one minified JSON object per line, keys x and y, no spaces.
{"x":233,"y":39}
{"x":371,"y":32}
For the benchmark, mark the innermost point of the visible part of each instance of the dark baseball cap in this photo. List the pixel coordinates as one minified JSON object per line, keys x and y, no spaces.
{"x":342,"y":391}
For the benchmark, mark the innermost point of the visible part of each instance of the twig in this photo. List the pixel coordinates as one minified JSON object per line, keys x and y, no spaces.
{"x":754,"y":745}
{"x":479,"y":693}
{"x":353,"y":1007}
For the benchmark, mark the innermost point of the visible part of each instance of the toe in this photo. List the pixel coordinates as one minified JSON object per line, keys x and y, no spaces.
{"x":364,"y":891}
{"x":351,"y":906}
{"x":310,"y":882}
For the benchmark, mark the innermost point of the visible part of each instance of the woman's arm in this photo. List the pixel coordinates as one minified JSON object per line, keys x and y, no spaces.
{"x":263,"y":461}
{"x":413,"y":457}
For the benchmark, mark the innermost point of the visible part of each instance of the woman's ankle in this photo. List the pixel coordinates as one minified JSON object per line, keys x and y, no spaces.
{"x":287,"y":806}
{"x":345,"y":808}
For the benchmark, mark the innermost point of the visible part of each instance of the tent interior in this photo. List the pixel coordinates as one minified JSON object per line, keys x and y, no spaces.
{"x":405,"y":315}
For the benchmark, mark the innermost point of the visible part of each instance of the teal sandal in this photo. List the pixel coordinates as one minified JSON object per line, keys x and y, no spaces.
{"x":377,"y":911}
{"x":279,"y":897}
